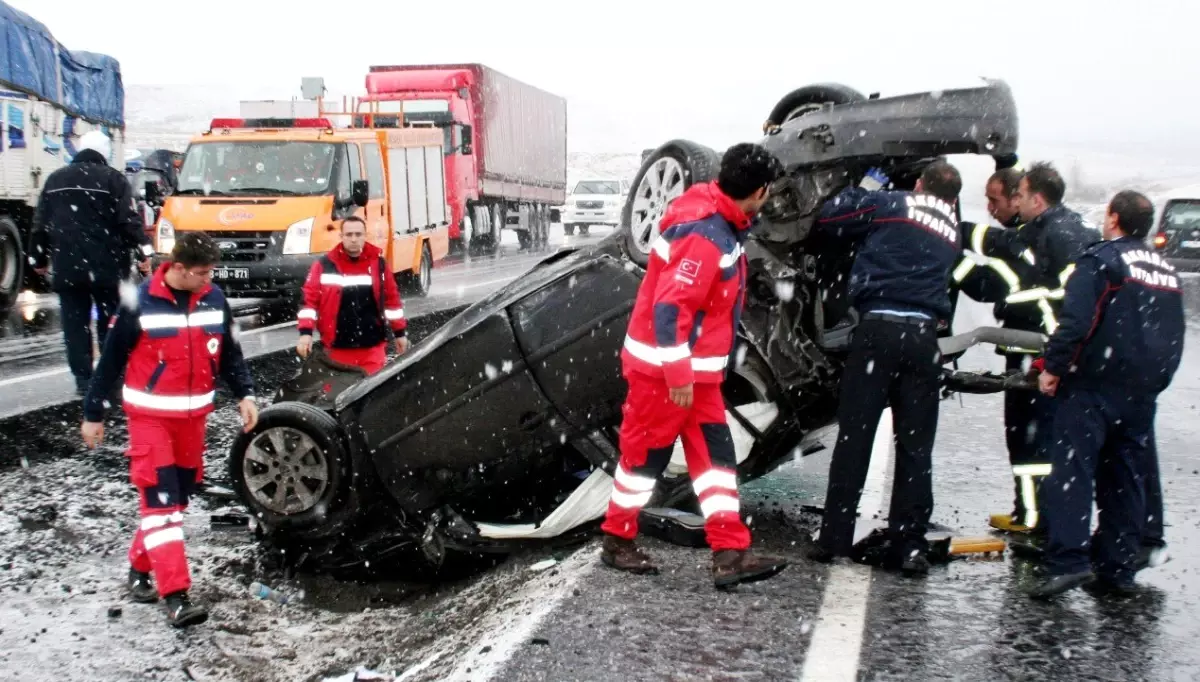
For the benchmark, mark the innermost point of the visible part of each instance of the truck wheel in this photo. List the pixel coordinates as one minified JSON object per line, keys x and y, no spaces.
{"x":12,"y":263}
{"x":420,"y":282}
{"x":808,"y":98}
{"x":293,"y":472}
{"x":498,"y":217}
{"x":664,"y":175}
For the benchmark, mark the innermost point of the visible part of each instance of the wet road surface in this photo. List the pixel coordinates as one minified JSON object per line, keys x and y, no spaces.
{"x":65,"y":516}
{"x":33,"y":371}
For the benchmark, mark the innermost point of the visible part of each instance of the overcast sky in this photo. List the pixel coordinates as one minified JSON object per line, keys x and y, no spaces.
{"x":1111,"y":76}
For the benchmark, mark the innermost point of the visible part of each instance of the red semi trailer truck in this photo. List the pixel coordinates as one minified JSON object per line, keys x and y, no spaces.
{"x":505,"y":145}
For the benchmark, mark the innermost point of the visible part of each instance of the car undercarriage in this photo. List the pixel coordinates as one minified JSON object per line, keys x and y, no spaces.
{"x":499,"y":430}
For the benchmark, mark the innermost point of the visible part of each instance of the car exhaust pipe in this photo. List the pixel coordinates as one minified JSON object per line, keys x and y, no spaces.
{"x":953,"y":345}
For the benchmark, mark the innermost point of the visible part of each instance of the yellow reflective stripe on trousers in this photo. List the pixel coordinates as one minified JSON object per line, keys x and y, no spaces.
{"x":1026,"y":473}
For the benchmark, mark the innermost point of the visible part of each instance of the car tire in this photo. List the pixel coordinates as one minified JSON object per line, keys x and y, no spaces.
{"x":665,"y":174}
{"x":323,"y":511}
{"x":798,"y":102}
{"x":420,"y":282}
{"x":12,"y":263}
{"x":569,"y":229}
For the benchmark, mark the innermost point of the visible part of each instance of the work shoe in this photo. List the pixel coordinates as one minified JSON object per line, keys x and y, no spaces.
{"x":181,"y":612}
{"x":915,"y":566}
{"x":1004,"y":522}
{"x":731,"y":567}
{"x":141,"y":587}
{"x":1102,"y":587}
{"x":624,"y":555}
{"x":1151,"y":557}
{"x":1057,"y":584}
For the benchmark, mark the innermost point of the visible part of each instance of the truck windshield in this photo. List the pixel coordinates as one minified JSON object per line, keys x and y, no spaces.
{"x":597,"y":187}
{"x":257,"y":167}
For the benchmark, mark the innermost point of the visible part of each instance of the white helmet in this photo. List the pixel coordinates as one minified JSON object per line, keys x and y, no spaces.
{"x":96,"y":141}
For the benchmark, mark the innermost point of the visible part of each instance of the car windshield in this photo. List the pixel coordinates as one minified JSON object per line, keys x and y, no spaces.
{"x":597,"y":187}
{"x":1181,"y":214}
{"x":257,"y":167}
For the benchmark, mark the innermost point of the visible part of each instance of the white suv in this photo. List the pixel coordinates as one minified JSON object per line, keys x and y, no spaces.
{"x":594,"y":202}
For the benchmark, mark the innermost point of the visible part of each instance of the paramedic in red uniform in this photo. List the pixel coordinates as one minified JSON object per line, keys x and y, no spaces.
{"x":171,"y":348}
{"x":678,"y":348}
{"x":352,"y":299}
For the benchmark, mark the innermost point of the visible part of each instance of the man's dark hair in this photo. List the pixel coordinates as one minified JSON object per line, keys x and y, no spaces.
{"x":1134,"y":212}
{"x":1009,"y":179}
{"x":746,"y":168}
{"x":195,"y":248}
{"x":353,"y":219}
{"x":1044,"y":180}
{"x":942,"y":180}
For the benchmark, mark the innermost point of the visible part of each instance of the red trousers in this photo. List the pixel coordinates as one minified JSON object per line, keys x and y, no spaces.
{"x":650,"y":425}
{"x":166,"y":461}
{"x":370,"y":359}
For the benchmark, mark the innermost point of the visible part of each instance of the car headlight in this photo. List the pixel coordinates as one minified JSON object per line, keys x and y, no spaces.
{"x":165,"y":241}
{"x":612,"y":203}
{"x":298,"y":239}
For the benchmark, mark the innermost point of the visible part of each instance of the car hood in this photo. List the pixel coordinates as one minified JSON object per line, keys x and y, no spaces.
{"x":242,"y":213}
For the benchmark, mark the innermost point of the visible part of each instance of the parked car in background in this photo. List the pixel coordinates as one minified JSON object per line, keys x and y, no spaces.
{"x":1178,"y":234}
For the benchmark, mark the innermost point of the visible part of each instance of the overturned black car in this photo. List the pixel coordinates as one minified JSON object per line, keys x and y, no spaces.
{"x":500,"y":428}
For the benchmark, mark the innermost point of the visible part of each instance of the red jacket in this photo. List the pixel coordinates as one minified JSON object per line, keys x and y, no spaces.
{"x":689,"y":304}
{"x":334,"y":277}
{"x":171,"y":354}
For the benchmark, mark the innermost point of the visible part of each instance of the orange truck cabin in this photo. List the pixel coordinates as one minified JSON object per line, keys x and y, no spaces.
{"x":274,"y":192}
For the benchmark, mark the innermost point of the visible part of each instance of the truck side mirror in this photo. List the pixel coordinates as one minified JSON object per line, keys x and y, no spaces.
{"x":466,"y":140}
{"x":152,"y":195}
{"x":359,"y":192}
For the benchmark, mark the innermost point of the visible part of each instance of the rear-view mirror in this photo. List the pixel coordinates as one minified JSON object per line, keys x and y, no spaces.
{"x":359,"y":192}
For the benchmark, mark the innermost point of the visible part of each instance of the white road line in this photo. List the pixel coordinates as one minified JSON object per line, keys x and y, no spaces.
{"x":836,"y":643}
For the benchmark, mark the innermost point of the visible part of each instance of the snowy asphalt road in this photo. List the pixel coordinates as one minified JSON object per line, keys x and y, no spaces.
{"x":66,"y":516}
{"x":33,"y":371}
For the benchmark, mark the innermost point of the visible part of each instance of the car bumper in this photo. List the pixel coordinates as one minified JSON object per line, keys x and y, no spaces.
{"x":275,"y":276}
{"x":603,"y":216}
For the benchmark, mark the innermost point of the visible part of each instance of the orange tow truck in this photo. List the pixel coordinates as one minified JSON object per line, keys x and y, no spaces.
{"x":274,"y":192}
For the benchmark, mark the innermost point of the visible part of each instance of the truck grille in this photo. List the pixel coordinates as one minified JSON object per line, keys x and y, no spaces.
{"x":592,"y":204}
{"x":243,"y":247}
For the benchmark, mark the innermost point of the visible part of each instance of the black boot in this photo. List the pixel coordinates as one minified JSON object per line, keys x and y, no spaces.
{"x":141,"y":587}
{"x":1057,"y":584}
{"x":181,"y":612}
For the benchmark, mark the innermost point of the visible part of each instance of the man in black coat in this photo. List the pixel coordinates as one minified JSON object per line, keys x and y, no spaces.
{"x":84,"y":228}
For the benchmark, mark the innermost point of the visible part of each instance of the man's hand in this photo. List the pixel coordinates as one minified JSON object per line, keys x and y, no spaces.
{"x":249,"y":410}
{"x":1048,"y":383}
{"x":304,"y":346}
{"x":402,"y":345}
{"x":93,"y":433}
{"x":144,"y":266}
{"x":683,"y":396}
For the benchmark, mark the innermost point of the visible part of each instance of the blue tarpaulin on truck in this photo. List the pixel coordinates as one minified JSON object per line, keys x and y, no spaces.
{"x":86,"y":84}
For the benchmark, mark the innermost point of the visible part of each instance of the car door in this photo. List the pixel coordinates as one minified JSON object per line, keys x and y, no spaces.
{"x":375,"y":214}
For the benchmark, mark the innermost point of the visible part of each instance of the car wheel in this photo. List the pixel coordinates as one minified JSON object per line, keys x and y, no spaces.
{"x":293,"y":472}
{"x":583,"y":230}
{"x":11,"y":263}
{"x":420,"y":282}
{"x":665,"y":174}
{"x":808,"y":98}
{"x":569,"y":229}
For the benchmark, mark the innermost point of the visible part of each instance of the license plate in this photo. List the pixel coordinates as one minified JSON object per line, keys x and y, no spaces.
{"x":1190,"y":244}
{"x":231,"y":273}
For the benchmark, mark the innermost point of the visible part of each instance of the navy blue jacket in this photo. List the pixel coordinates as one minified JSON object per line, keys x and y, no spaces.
{"x":1122,"y":321}
{"x":911,"y":241}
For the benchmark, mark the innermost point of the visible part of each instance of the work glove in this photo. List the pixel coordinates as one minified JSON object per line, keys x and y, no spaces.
{"x":874,"y":180}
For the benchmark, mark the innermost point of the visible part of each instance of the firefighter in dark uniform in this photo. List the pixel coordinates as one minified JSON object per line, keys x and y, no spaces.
{"x":1117,"y":346}
{"x":1027,"y":266}
{"x":899,"y":285}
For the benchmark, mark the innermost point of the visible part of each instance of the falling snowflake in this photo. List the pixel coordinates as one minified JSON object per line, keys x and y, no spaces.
{"x":490,"y":370}
{"x":870,"y":366}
